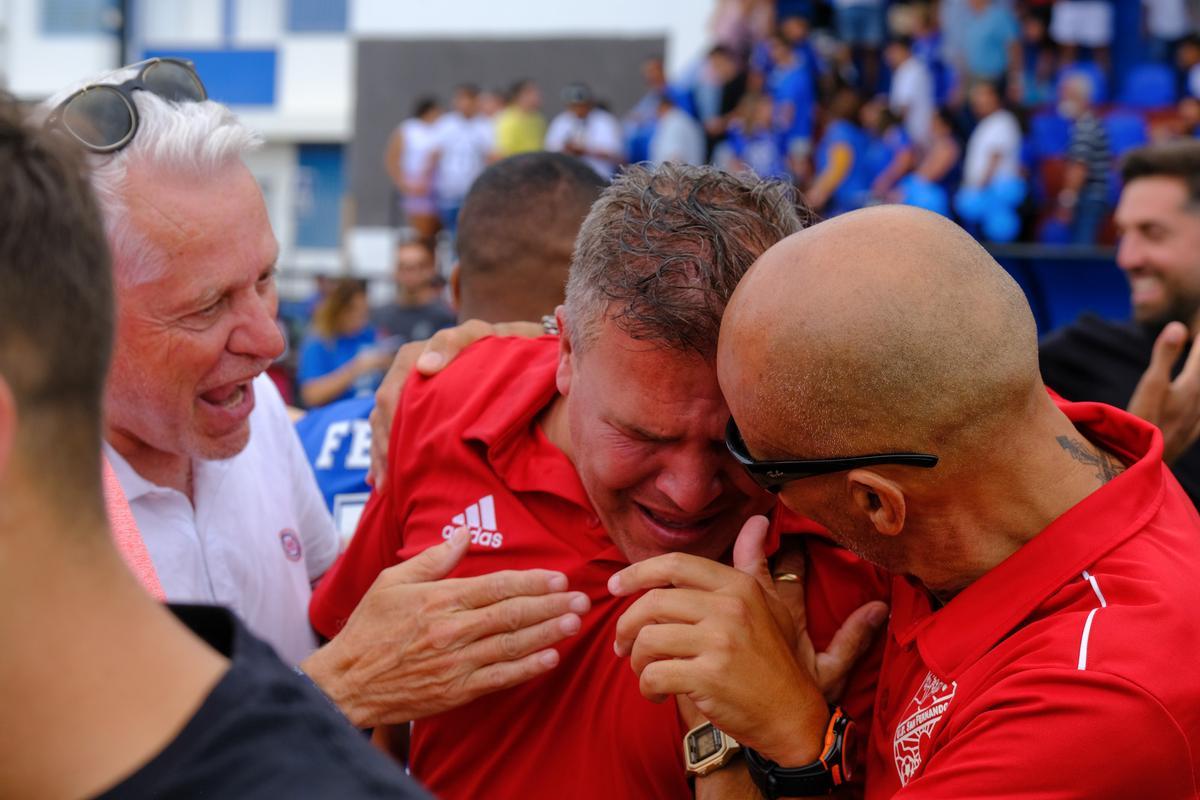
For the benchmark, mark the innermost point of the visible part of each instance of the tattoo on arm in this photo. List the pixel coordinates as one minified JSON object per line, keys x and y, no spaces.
{"x":1107,"y":467}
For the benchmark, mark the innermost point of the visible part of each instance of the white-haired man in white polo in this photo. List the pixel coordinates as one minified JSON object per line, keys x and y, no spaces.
{"x":200,"y":439}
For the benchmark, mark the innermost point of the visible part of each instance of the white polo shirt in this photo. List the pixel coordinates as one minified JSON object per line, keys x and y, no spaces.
{"x":258,"y":535}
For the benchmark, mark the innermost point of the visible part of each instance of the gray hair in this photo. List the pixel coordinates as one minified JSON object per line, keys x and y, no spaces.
{"x":194,"y":139}
{"x":664,"y":247}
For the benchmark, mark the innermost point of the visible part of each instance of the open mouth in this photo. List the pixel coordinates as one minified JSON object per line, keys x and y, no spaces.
{"x":230,"y":403}
{"x":673,"y":528}
{"x":228,"y":396}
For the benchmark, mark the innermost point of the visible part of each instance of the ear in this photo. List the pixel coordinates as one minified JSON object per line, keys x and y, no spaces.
{"x":878,"y":499}
{"x":455,"y":287}
{"x":562,"y":377}
{"x":8,"y":426}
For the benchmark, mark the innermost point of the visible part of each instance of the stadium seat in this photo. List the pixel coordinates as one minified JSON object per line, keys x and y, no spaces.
{"x":1149,"y":86}
{"x":1069,"y":287}
{"x":1049,"y":135}
{"x":1126,"y":130}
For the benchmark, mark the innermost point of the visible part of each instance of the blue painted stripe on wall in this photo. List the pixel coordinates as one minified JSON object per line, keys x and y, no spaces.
{"x":233,"y":77}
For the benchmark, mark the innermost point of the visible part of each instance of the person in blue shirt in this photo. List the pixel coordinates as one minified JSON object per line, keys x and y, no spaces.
{"x":791,"y":85}
{"x":842,"y":182}
{"x":340,"y":357}
{"x":991,"y":42}
{"x":888,"y":154}
{"x":337,"y":441}
{"x":754,"y":143}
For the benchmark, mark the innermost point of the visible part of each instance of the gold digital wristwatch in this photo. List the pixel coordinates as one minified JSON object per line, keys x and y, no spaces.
{"x":707,"y":749}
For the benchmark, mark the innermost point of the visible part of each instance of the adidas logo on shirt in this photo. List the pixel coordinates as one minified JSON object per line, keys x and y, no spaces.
{"x":480,"y":521}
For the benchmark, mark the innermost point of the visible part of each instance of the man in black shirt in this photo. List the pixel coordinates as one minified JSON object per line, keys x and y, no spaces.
{"x":1140,"y":365}
{"x":105,"y":691}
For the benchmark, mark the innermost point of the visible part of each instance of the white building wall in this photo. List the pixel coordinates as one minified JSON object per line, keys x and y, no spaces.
{"x":36,"y":64}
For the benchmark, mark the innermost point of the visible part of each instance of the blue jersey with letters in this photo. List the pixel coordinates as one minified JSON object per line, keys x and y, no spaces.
{"x":337,"y":441}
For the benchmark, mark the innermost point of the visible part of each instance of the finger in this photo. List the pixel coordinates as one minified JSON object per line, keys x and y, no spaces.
{"x":671,"y":569}
{"x":444,"y":345}
{"x":516,"y":613}
{"x":658,"y":606}
{"x":848,"y":645}
{"x":512,"y":645}
{"x":484,"y":590}
{"x":1189,"y":376}
{"x":1166,"y":351}
{"x":506,"y":674}
{"x":657,"y":642}
{"x":661,"y":679}
{"x":432,"y":563}
{"x":748,"y":551}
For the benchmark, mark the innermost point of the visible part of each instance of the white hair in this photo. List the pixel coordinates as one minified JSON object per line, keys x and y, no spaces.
{"x":195,"y":139}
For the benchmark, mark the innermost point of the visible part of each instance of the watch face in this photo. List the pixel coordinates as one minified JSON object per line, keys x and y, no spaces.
{"x":704,"y":744}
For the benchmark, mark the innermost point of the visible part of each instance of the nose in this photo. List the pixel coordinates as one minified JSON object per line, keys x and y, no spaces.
{"x":256,"y":334}
{"x":1129,"y":253}
{"x":692,"y":481}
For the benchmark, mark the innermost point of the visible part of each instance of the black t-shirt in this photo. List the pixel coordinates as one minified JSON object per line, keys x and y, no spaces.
{"x":263,"y":732}
{"x":1093,"y":359}
{"x":412,"y":323}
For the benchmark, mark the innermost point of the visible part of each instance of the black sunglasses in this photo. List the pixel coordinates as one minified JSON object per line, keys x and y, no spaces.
{"x":772,"y":475}
{"x":104,"y":118}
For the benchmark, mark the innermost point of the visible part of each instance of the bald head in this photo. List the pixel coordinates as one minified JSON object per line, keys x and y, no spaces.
{"x":886,"y":329}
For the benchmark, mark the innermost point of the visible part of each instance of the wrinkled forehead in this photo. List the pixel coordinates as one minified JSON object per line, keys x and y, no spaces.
{"x":662,"y":391}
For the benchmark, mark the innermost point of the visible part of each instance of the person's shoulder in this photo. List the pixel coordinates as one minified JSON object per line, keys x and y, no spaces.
{"x":495,"y":368}
{"x":263,"y":732}
{"x":1094,"y":336}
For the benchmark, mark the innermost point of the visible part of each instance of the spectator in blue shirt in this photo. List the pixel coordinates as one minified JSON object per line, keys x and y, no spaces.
{"x":642,"y":119}
{"x":339,"y":358}
{"x":753,"y":142}
{"x":841,"y":183}
{"x":888,"y":154}
{"x":792,"y":90}
{"x":992,"y":43}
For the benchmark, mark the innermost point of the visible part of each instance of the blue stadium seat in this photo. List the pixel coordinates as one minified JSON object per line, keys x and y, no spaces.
{"x":1149,"y":86}
{"x":1126,"y":130}
{"x":1049,"y":135}
{"x":1068,"y":288}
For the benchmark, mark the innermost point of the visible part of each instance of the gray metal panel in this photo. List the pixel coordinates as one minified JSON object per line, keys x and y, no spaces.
{"x":392,"y":74}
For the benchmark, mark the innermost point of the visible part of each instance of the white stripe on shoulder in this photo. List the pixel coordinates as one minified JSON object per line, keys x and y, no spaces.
{"x":1087,"y":626}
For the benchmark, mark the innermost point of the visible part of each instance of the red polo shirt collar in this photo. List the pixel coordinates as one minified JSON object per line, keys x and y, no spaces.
{"x":952,"y":638}
{"x":519,"y":450}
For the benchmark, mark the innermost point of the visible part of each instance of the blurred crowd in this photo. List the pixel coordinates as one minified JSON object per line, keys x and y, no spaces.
{"x":1002,"y":114}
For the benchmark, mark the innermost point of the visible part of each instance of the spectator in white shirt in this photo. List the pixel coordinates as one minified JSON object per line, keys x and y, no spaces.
{"x":587,"y":131}
{"x":677,"y":137}
{"x":1167,"y":21}
{"x":409,"y":162}
{"x":992,"y":185}
{"x":464,"y":140}
{"x":911,"y":97}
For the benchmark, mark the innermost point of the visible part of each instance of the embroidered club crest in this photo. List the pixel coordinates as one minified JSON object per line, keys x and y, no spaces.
{"x":916,"y":728}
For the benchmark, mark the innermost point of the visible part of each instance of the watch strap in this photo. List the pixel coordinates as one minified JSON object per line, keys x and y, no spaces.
{"x":817,"y":778}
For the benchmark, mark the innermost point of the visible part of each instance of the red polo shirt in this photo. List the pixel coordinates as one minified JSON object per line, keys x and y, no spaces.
{"x":466,"y":449}
{"x":1070,"y":670}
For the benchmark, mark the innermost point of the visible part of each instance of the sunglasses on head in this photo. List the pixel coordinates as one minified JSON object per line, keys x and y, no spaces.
{"x":773,"y":475}
{"x":104,"y":118}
